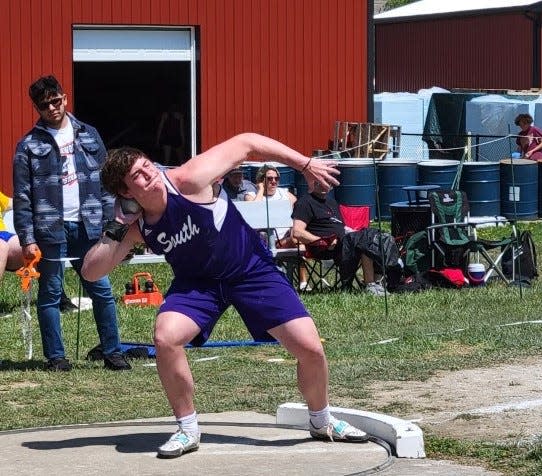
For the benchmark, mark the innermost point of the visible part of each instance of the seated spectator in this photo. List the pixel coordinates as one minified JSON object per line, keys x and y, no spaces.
{"x":11,"y":257}
{"x":236,"y":186}
{"x":529,"y":139}
{"x":267,"y":181}
{"x":317,"y":218}
{"x":11,"y":254}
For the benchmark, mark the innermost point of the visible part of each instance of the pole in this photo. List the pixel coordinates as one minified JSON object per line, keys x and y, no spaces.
{"x":380,"y":246}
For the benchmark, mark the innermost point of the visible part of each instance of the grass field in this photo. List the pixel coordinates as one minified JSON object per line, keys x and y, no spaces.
{"x":424,"y":326}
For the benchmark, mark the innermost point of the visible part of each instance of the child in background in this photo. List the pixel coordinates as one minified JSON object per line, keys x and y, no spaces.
{"x":11,"y":257}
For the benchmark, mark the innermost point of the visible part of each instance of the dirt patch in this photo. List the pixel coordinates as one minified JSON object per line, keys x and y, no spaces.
{"x":501,"y":403}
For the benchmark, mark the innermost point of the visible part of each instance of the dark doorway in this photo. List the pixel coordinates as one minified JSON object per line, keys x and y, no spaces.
{"x":126,"y":100}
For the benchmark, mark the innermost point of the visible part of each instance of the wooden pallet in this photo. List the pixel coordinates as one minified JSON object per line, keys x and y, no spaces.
{"x":365,"y":139}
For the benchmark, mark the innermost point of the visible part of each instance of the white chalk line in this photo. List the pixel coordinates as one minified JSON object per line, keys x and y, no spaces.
{"x":520,"y":323}
{"x":509,"y":324}
{"x":504,"y":407}
{"x":490,"y":410}
{"x":395,"y":339}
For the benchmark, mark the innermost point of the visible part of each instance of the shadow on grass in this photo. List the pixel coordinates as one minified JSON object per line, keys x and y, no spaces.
{"x":7,"y":309}
{"x":25,"y":365}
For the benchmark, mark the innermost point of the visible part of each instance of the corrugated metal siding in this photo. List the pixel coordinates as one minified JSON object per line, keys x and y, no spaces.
{"x":284,"y":68}
{"x":479,"y":52}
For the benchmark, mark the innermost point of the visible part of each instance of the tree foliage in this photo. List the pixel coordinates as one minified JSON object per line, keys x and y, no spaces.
{"x":391,"y":4}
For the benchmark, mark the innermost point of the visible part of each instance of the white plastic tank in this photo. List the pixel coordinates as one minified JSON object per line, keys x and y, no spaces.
{"x":494,"y":115}
{"x":405,"y":110}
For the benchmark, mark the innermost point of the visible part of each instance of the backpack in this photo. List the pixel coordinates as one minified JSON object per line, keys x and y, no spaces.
{"x":417,"y":254}
{"x":410,"y":284}
{"x":525,"y":261}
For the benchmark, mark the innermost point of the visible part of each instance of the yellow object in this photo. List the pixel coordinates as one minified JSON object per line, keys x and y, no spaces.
{"x":5,"y":205}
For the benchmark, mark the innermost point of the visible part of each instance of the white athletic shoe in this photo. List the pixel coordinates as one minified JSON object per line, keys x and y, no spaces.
{"x":375,"y":289}
{"x":179,"y":444}
{"x":338,"y":430}
{"x":304,"y":286}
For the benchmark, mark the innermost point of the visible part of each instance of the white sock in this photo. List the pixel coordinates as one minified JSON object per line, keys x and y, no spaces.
{"x":189,"y":423}
{"x":320,"y":418}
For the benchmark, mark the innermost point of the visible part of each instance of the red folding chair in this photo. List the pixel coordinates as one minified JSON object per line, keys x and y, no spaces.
{"x":355,"y":216}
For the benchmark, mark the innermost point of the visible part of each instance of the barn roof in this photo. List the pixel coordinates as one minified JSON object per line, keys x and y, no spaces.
{"x":434,"y":8}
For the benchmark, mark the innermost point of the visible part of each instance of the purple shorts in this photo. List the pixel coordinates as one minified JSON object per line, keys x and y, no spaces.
{"x":264,"y":299}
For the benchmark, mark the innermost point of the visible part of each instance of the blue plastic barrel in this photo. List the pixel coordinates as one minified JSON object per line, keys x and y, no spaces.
{"x":250,"y":169}
{"x":481,"y":181}
{"x":357,"y":183}
{"x":393,"y":175}
{"x":287,"y":175}
{"x":437,"y":172}
{"x":519,"y":189}
{"x":247,"y":170}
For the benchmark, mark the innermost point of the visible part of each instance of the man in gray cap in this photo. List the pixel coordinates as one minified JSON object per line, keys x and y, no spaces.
{"x":237,"y":187}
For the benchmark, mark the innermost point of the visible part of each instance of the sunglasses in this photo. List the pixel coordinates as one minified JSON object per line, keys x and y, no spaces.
{"x":56,"y":102}
{"x":272,"y":179}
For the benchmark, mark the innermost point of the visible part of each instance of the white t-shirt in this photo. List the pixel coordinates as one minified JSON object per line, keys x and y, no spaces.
{"x":281,"y":193}
{"x":70,"y":185}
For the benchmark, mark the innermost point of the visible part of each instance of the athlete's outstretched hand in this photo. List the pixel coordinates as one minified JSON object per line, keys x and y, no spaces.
{"x":323,"y":171}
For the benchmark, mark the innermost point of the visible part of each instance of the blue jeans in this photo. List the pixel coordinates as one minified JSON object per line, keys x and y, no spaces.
{"x":50,"y":288}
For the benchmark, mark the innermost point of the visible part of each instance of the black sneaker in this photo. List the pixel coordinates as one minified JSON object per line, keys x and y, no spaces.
{"x":95,"y":353}
{"x":116,"y":361}
{"x":66,"y":305}
{"x":59,"y":364}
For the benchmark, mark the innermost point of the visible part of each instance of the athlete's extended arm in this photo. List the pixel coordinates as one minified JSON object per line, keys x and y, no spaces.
{"x":208,"y":167}
{"x":108,"y":253}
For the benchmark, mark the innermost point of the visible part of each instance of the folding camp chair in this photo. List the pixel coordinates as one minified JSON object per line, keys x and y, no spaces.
{"x":453,"y":237}
{"x":323,"y":272}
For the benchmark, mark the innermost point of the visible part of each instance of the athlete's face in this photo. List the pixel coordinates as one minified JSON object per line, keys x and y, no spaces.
{"x":143,"y":181}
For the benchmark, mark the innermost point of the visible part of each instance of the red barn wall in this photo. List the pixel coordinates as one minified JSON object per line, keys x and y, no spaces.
{"x":476,"y":52}
{"x":284,"y":68}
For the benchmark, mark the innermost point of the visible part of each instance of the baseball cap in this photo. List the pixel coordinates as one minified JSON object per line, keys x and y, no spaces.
{"x":236,"y":170}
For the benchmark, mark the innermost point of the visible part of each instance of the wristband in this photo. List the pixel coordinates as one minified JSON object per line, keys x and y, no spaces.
{"x":115,"y":230}
{"x":306,"y":165}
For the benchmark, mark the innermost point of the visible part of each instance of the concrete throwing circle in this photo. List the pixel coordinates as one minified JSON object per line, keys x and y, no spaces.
{"x":233,"y":443}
